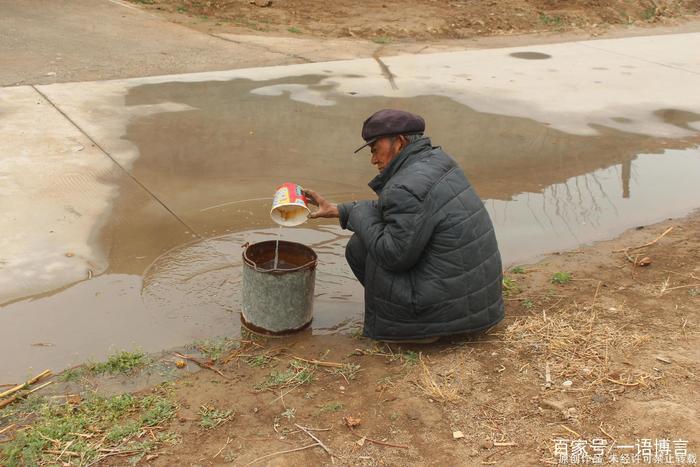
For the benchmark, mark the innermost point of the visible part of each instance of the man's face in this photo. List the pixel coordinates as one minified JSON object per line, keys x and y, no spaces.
{"x":384,"y":150}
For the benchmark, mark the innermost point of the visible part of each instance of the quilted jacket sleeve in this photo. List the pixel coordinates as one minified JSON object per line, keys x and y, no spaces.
{"x":396,"y":236}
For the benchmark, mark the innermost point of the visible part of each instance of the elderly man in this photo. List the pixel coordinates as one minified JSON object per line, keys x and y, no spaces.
{"x":425,"y":250}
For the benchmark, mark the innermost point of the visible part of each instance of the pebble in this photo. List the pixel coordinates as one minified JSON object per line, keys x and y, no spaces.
{"x":457,"y":435}
{"x":568,"y":383}
{"x":486,"y":444}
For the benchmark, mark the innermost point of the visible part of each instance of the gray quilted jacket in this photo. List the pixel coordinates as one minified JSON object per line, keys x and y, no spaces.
{"x":433,"y":267}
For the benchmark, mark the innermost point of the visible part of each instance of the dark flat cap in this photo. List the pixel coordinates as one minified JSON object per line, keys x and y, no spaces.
{"x":389,"y":122}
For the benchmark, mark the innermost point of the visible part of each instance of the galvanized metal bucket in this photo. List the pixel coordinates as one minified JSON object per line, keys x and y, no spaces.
{"x":279,"y":300}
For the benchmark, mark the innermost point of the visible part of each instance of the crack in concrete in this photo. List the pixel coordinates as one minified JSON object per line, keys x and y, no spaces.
{"x":266,"y":49}
{"x":673,"y":67}
{"x":386,"y":72}
{"x":98,"y":146}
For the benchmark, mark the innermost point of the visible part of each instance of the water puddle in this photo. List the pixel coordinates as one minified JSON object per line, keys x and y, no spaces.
{"x":217,"y":165}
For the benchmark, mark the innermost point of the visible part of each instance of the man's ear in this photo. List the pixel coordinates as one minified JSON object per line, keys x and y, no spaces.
{"x":403,"y":140}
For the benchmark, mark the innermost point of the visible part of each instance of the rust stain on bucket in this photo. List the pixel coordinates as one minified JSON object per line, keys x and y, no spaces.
{"x":278,"y":301}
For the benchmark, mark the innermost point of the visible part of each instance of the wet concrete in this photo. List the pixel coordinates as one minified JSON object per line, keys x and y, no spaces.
{"x":213,"y":151}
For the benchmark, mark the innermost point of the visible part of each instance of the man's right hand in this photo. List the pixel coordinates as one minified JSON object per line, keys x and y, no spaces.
{"x":325,"y":209}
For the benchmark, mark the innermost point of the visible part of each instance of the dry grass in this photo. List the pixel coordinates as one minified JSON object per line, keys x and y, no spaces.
{"x":437,"y":388}
{"x":575,"y":344}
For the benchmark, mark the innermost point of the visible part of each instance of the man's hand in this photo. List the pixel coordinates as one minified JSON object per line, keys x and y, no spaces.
{"x":325,"y":209}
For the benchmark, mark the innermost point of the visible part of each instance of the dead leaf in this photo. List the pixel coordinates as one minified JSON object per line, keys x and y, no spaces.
{"x":361,"y":441}
{"x":352,"y":421}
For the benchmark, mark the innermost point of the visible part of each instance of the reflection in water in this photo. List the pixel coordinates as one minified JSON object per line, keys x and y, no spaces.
{"x":217,"y":165}
{"x":597,"y":205}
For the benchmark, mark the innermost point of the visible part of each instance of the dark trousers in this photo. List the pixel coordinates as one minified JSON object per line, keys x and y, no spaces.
{"x":356,"y":254}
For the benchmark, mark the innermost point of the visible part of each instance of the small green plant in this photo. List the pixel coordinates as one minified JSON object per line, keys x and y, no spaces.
{"x":348,"y":371}
{"x":385,"y":381}
{"x":71,"y":374}
{"x":216,"y":348}
{"x":332,"y":407}
{"x":551,"y":20}
{"x":259,"y":360}
{"x":211,"y":417}
{"x":53,"y":427}
{"x":157,"y":409}
{"x":294,"y":30}
{"x":561,"y":278}
{"x":527,"y":303}
{"x":410,"y":357}
{"x":510,"y":287}
{"x":649,"y":14}
{"x":122,"y":432}
{"x":289,"y":413}
{"x":121,"y":362}
{"x":381,"y":40}
{"x":181,"y":9}
{"x":298,"y":373}
{"x":394,"y":416}
{"x":694,"y":292}
{"x":517,"y":270}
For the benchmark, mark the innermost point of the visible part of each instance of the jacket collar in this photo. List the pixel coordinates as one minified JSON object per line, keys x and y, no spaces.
{"x":402,"y":159}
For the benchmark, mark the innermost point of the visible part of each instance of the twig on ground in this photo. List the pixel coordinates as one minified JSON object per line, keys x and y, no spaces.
{"x":380,"y":443}
{"x":621,"y":383}
{"x":17,"y":397}
{"x":646,"y":244}
{"x":320,"y":443}
{"x":228,"y":441}
{"x":282,"y":452}
{"x":200,"y":363}
{"x":320,"y":362}
{"x":504,"y":444}
{"x":26,"y":384}
{"x":9,"y":427}
{"x":681,"y":287}
{"x":570,"y":430}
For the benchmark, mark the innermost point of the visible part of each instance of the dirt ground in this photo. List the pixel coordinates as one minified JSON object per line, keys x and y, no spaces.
{"x":386,"y":20}
{"x":618,"y":342}
{"x":599,"y":345}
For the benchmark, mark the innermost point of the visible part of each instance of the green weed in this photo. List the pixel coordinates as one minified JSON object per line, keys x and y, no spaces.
{"x":381,"y":40}
{"x":216,"y":348}
{"x":551,"y":20}
{"x":121,"y":362}
{"x":157,"y":409}
{"x":561,"y":278}
{"x":517,"y":270}
{"x":332,"y":407}
{"x":71,"y":374}
{"x":211,"y":417}
{"x":649,"y":14}
{"x":298,"y":373}
{"x":54,"y":426}
{"x":294,"y":30}
{"x":259,"y":360}
{"x":527,"y":303}
{"x":348,"y":371}
{"x":410,"y":357}
{"x":510,"y":287}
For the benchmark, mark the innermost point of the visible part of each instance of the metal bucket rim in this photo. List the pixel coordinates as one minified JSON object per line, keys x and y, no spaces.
{"x":255,"y":267}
